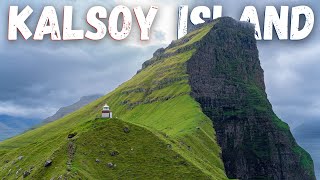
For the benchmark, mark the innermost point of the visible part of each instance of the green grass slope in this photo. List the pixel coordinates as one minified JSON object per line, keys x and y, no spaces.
{"x":171,"y":137}
{"x":138,"y":154}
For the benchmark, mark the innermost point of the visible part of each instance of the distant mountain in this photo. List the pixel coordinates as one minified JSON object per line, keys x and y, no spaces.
{"x":70,"y":109}
{"x":308,"y":130}
{"x":11,"y":126}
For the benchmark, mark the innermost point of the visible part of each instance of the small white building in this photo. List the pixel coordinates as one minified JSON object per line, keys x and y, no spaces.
{"x":106,"y":112}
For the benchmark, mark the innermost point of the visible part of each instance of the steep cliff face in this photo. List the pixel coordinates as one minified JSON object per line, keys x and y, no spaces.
{"x":227,"y":80}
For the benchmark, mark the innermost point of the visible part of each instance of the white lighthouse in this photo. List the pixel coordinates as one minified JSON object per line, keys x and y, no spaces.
{"x":106,"y":112}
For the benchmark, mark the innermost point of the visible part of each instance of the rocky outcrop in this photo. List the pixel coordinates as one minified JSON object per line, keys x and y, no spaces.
{"x":227,"y":80}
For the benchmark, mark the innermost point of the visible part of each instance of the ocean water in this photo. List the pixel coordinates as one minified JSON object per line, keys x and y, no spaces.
{"x":313,"y":147}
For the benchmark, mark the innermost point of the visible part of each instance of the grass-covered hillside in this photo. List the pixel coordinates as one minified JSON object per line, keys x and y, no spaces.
{"x":106,"y":149}
{"x":169,"y":138}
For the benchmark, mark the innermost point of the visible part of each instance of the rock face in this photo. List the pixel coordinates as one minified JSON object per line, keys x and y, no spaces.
{"x":48,"y":163}
{"x":227,"y":80}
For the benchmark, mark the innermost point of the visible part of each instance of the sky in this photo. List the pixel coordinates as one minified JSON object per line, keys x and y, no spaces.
{"x":37,"y":78}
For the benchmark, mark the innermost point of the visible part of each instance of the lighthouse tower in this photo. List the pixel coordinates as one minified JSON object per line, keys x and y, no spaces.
{"x":106,"y":112}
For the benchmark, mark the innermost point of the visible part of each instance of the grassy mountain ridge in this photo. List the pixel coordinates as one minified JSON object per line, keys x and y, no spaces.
{"x":88,"y":154}
{"x":157,"y":100}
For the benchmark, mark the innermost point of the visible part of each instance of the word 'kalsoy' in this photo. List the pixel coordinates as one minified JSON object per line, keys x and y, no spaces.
{"x":48,"y":23}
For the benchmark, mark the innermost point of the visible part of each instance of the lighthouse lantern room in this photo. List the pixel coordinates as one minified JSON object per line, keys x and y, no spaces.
{"x":106,"y":112}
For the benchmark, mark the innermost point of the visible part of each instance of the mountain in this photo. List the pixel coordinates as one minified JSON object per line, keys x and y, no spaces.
{"x":196,"y":110}
{"x":227,"y":80}
{"x":308,"y":136}
{"x":85,"y":100}
{"x":12,"y":126}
